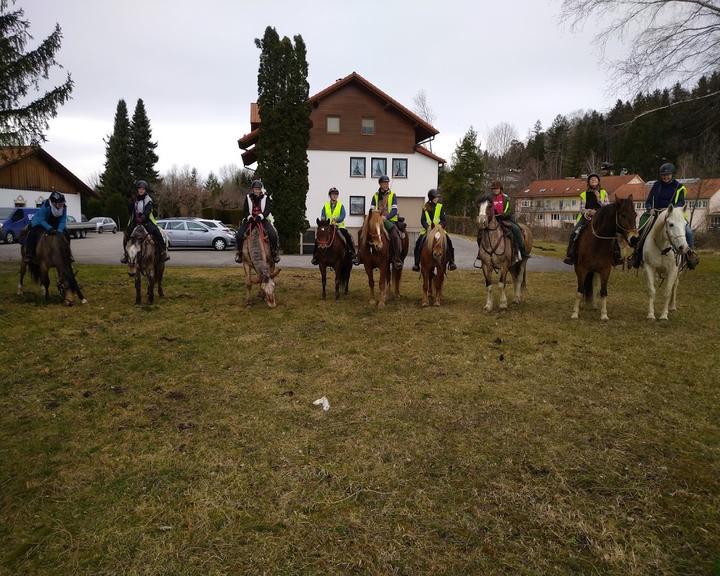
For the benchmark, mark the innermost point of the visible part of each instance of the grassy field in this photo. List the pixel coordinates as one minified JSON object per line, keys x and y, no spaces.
{"x":182,"y":439}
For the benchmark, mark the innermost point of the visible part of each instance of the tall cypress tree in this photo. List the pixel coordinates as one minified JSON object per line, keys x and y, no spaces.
{"x":116,"y":181}
{"x":22,"y":121}
{"x":282,"y":146}
{"x":142,"y":149}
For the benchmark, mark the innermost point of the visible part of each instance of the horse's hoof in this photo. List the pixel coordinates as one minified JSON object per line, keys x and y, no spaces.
{"x":83,"y":301}
{"x":381,"y":304}
{"x":604,"y":318}
{"x":19,"y":292}
{"x":664,"y":317}
{"x":503,"y":307}
{"x":487,"y":308}
{"x":651,"y":316}
{"x":437,"y":303}
{"x":424,"y":304}
{"x":574,"y":316}
{"x":673,"y":309}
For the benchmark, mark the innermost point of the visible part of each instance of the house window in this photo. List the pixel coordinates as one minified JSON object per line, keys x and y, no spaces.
{"x":357,"y":205}
{"x":555,"y":217}
{"x":357,"y":167}
{"x":333,"y":124}
{"x":378,"y":167}
{"x":715,"y":222}
{"x":367,"y":126}
{"x":399,"y":166}
{"x":541,"y":216}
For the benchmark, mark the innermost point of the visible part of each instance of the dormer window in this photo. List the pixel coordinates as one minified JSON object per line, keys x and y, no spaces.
{"x":333,"y":124}
{"x":367,"y":126}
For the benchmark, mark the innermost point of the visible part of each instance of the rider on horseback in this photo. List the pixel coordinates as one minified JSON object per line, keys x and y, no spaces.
{"x":51,"y":218}
{"x":257,"y":208}
{"x":665,"y":192}
{"x":503,"y":213}
{"x":141,"y":213}
{"x":385,"y":200}
{"x":433,"y":214}
{"x":334,"y":212}
{"x":591,"y":200}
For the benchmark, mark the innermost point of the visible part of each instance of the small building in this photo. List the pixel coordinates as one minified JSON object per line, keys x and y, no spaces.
{"x":358,"y":133}
{"x":556,"y":203}
{"x":28,"y":174}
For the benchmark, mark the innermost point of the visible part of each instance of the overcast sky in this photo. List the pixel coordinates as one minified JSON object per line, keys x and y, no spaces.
{"x":195,"y":66}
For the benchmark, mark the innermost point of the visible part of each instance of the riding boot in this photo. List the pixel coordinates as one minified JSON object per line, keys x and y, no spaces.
{"x":570,"y":254}
{"x":636,"y":258}
{"x":451,"y":256}
{"x":397,"y":248}
{"x":416,"y":254}
{"x":314,"y":260}
{"x":617,"y":254}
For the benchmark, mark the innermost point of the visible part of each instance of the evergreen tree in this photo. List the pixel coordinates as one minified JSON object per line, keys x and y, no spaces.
{"x":463,"y":183}
{"x":142,"y":149}
{"x":22,"y":121}
{"x":213,"y":186}
{"x":282,"y":146}
{"x":116,"y":181}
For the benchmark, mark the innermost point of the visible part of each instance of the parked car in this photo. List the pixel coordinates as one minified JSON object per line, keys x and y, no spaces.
{"x":213,"y":224}
{"x":12,"y":221}
{"x":103,"y":224}
{"x":78,"y":229}
{"x":189,"y":232}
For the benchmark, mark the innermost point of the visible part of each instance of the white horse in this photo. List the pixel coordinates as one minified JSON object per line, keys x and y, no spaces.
{"x":662,"y":252}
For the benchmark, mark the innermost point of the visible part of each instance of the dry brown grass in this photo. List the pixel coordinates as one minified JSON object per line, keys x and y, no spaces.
{"x":182,"y":439}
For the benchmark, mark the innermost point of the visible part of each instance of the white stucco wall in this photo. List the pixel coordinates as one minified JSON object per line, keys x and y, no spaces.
{"x":332,"y":168}
{"x":8,"y":196}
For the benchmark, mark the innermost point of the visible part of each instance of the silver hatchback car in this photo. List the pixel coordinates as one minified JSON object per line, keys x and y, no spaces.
{"x":190,"y":233}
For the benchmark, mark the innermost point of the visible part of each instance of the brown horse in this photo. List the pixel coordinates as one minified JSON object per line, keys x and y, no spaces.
{"x":433,"y":264}
{"x":614,"y":221}
{"x":257,"y":259}
{"x":332,"y":252}
{"x":52,"y":251}
{"x":144,"y":259}
{"x":374,"y":252}
{"x":496,"y":255}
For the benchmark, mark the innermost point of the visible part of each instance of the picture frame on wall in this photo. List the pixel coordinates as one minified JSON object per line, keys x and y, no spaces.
{"x":357,"y":167}
{"x":378,"y":167}
{"x":399,"y":167}
{"x":357,"y":205}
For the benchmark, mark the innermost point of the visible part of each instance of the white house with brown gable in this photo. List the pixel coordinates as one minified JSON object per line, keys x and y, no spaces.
{"x":359,"y":133}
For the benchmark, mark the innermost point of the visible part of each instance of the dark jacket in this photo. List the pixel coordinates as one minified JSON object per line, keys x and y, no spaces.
{"x":663,"y":195}
{"x":142,"y":210}
{"x":262,"y":203}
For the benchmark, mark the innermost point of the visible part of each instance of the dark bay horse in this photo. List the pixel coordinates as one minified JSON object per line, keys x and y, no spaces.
{"x":614,"y":221}
{"x":52,"y":251}
{"x":433,"y":264}
{"x":496,"y":255}
{"x":258,"y":264}
{"x":144,"y":259}
{"x":332,"y":253}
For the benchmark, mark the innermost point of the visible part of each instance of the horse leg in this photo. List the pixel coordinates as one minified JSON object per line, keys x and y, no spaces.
{"x":338,"y":278}
{"x":426,"y":287}
{"x":396,"y":276}
{"x":151,"y":288}
{"x":580,"y":273}
{"x":138,"y":287}
{"x":371,"y":283}
{"x":45,"y":282}
{"x":650,"y":275}
{"x":673,"y":299}
{"x":604,"y":276}
{"x":595,"y":290}
{"x":501,"y":285}
{"x":323,"y":277}
{"x":438,"y":284}
{"x":159,"y":273}
{"x":487,"y":272}
{"x":384,"y":285}
{"x":517,"y":273}
{"x":671,"y":281}
{"x":23,"y":268}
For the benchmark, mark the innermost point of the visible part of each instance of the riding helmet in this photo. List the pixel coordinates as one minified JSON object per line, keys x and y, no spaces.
{"x":383,"y":178}
{"x":57,"y":197}
{"x":433,"y":193}
{"x":257,"y":184}
{"x":333,"y":190}
{"x":667,"y":168}
{"x":141,"y":184}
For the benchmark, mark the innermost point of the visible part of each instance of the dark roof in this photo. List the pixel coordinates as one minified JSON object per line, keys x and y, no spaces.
{"x":12,"y":154}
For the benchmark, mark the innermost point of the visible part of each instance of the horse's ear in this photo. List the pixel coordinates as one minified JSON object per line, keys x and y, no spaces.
{"x":670,"y":209}
{"x":317,"y":220}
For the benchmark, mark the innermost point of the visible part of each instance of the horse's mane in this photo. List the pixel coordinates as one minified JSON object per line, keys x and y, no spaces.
{"x":602,"y":216}
{"x":431,"y":236}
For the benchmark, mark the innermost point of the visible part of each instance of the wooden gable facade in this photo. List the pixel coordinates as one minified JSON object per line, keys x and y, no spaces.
{"x":32,"y":168}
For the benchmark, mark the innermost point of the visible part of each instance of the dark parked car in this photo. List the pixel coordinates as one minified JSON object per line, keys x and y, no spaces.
{"x":12,"y":221}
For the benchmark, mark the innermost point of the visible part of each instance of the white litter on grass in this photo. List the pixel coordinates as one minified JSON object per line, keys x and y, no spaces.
{"x":323,"y":402}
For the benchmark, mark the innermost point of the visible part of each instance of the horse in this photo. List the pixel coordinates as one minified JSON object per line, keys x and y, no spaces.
{"x":144,"y":260}
{"x":614,"y":221}
{"x":433,"y":264}
{"x":496,"y":255}
{"x":374,"y":252}
{"x":332,"y":252}
{"x":52,"y":251}
{"x":663,"y":251}
{"x":256,"y":257}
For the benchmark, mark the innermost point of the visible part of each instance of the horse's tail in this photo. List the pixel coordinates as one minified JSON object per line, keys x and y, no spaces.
{"x":34,"y":270}
{"x":588,"y":286}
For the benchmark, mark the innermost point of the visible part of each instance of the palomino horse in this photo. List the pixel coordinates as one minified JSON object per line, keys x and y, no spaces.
{"x":663,"y":251}
{"x":52,"y":251}
{"x":496,"y":255}
{"x":144,"y":260}
{"x":332,"y":253}
{"x":257,"y":258}
{"x":433,"y":264}
{"x":374,"y":252}
{"x":614,"y":221}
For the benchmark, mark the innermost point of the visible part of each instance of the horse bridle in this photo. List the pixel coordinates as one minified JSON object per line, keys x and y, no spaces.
{"x":672,"y":246}
{"x":328,"y":243}
{"x":485,"y":233}
{"x":617,"y":227}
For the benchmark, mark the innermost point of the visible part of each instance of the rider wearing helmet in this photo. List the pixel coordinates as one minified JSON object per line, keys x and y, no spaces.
{"x":666,"y":191}
{"x":141,"y":213}
{"x":385,"y":200}
{"x":433,"y":214}
{"x":51,"y":218}
{"x":503,"y":212}
{"x":334,"y":212}
{"x":592,"y":199}
{"x":257,"y":208}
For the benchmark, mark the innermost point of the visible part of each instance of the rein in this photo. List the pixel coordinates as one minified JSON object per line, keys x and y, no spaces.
{"x":327,"y":243}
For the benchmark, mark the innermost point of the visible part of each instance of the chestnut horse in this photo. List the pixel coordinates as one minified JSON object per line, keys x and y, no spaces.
{"x":614,"y":221}
{"x":496,"y":255}
{"x":374,"y":252}
{"x":144,"y":260}
{"x":332,"y":252}
{"x":52,"y":251}
{"x":433,"y":264}
{"x":256,"y":257}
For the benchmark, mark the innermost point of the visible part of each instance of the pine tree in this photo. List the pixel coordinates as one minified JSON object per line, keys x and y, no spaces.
{"x":282,"y":146}
{"x":213,"y":186}
{"x":142,"y":149}
{"x":463,"y":183}
{"x":116,"y":181}
{"x":22,"y":121}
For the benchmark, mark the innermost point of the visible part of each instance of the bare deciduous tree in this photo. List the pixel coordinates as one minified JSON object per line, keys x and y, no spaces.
{"x":422,"y":108}
{"x":500,"y":138}
{"x":676,"y":39}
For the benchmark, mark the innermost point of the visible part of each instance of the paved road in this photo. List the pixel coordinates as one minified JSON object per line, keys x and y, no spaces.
{"x":106,"y":249}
